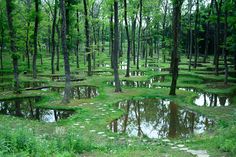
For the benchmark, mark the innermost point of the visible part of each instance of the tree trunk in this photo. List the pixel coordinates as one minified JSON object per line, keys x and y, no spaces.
{"x":77,"y":42}
{"x":224,"y":48}
{"x":9,"y":8}
{"x":116,"y":47}
{"x":103,"y":38}
{"x":190,"y":36}
{"x":53,"y":36}
{"x":175,"y":57}
{"x":67,"y":92}
{"x":196,"y":47}
{"x":133,"y":39}
{"x":121,"y":40}
{"x":2,"y":43}
{"x":87,"y":38}
{"x":207,"y":34}
{"x":58,"y":48}
{"x":36,"y":25}
{"x":218,"y":11}
{"x":128,"y":39}
{"x":139,"y":31}
{"x":27,"y":45}
{"x":111,"y":37}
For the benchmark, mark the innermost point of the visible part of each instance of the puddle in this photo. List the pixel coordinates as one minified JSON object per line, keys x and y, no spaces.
{"x":5,"y":79}
{"x":154,"y":118}
{"x":107,"y":73}
{"x":63,"y":78}
{"x":25,"y":108}
{"x":5,"y":87}
{"x":104,"y":65}
{"x":29,"y":85}
{"x":211,"y":100}
{"x":143,"y":84}
{"x":78,"y":92}
{"x":137,"y":73}
{"x":208,"y":99}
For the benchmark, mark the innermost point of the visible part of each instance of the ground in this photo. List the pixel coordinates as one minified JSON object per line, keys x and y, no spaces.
{"x":85,"y":133}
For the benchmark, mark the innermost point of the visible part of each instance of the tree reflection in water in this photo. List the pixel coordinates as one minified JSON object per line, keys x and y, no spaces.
{"x":156,"y":118}
{"x":26,"y":108}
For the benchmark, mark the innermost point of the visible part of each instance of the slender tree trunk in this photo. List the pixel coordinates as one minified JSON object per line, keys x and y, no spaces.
{"x":139,"y":31}
{"x":67,"y":92}
{"x":27,"y":45}
{"x":164,"y":24}
{"x":103,"y":38}
{"x":218,"y":11}
{"x":36,"y":25}
{"x":190,"y":36}
{"x":207,"y":34}
{"x":116,"y":47}
{"x":133,"y":39}
{"x":111,"y":37}
{"x":175,"y":56}
{"x":77,"y":42}
{"x":9,"y":8}
{"x":2,"y":43}
{"x":58,"y":48}
{"x":224,"y":48}
{"x":53,"y":36}
{"x":128,"y":39}
{"x":87,"y":38}
{"x":121,"y":40}
{"x":196,"y":47}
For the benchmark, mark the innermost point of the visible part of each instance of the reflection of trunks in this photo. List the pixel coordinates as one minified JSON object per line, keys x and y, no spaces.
{"x":155,"y":118}
{"x":141,"y":84}
{"x":209,"y":99}
{"x":77,"y":92}
{"x":25,"y":107}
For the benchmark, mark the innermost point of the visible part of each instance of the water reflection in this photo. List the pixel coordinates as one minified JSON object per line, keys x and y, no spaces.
{"x":211,"y":100}
{"x":63,"y":78}
{"x":208,"y":99}
{"x":137,"y":73}
{"x":144,"y":84}
{"x":25,"y":108}
{"x":154,"y":118}
{"x":77,"y":92}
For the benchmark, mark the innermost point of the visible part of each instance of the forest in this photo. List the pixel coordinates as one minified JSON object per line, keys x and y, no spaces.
{"x":119,"y":78}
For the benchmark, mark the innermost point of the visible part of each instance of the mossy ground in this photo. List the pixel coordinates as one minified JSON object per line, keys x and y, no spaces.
{"x":89,"y":117}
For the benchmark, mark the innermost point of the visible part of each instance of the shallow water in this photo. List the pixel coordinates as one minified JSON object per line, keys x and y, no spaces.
{"x":137,"y":73}
{"x":63,"y":78}
{"x":155,"y":118}
{"x":25,"y":108}
{"x":78,"y":92}
{"x":209,"y":99}
{"x":143,"y":84}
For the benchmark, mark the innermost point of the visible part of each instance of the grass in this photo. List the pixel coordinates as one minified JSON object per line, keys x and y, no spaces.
{"x":73,"y":136}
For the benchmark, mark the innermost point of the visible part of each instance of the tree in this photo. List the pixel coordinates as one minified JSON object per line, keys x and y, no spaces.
{"x":12,"y":34}
{"x":86,"y":25}
{"x":67,"y":92}
{"x":207,"y":33}
{"x":36,"y":26}
{"x":225,"y":46}
{"x":139,"y":31}
{"x":2,"y":30}
{"x":190,"y":34}
{"x":116,"y":47}
{"x":128,"y":39}
{"x":218,"y":6}
{"x":53,"y":36}
{"x":177,"y":4}
{"x":196,"y":47}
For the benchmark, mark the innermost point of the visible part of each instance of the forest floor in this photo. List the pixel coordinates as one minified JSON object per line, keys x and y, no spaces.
{"x":90,"y":123}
